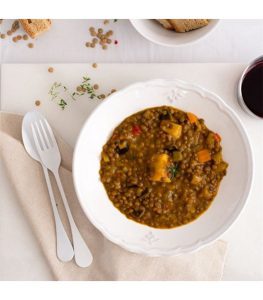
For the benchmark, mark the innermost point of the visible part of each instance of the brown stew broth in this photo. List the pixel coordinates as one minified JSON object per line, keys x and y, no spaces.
{"x":162,"y":167}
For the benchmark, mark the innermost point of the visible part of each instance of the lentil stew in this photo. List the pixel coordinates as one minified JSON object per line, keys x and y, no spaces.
{"x":162,"y":167}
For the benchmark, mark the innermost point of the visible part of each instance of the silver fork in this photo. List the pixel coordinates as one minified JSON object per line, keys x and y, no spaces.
{"x":50,"y":156}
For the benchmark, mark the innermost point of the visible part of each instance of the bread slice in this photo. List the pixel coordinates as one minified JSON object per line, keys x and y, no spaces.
{"x":35,"y":27}
{"x":166,"y":24}
{"x":183,"y":25}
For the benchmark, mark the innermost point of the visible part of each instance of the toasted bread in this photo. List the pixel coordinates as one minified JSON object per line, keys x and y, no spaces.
{"x":183,"y":25}
{"x":166,"y":24}
{"x":35,"y":27}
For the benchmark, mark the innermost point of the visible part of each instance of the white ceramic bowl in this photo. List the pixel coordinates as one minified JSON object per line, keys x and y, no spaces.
{"x":154,"y":32}
{"x":234,"y":188}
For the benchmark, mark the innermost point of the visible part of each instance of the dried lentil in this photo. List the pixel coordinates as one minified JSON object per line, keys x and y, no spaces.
{"x":37,"y":102}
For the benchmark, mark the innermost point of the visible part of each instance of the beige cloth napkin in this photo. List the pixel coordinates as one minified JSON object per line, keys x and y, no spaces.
{"x":110,"y":261}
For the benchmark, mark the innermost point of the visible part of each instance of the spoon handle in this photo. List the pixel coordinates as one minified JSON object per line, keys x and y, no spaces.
{"x":83,"y":256}
{"x":64,"y":248}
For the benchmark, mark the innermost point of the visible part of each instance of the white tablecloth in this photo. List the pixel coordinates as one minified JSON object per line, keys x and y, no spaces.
{"x":232,"y":41}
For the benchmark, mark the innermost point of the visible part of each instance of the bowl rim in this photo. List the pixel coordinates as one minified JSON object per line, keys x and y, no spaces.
{"x":155,"y":252}
{"x":212,"y":27}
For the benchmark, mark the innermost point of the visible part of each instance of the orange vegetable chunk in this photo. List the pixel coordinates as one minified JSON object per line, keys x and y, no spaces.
{"x":203,"y":156}
{"x":192,"y":118}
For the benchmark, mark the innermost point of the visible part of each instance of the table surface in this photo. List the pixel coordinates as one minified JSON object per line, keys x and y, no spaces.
{"x":232,"y":41}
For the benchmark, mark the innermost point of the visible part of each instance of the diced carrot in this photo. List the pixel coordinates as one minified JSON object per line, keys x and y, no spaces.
{"x":203,"y":156}
{"x":192,"y":118}
{"x":217,"y":137}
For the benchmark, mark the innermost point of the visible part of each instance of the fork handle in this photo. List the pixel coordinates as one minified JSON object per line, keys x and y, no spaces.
{"x":64,"y":248}
{"x":83,"y":256}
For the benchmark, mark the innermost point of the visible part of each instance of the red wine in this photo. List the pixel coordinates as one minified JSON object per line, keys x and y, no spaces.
{"x":252,"y":89}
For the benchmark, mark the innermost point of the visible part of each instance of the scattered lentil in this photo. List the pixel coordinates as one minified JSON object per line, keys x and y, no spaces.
{"x":96,"y":86}
{"x":30,"y":45}
{"x":37,"y":103}
{"x":14,"y":39}
{"x":106,"y":22}
{"x":9,"y":32}
{"x":94,"y":65}
{"x":50,"y":70}
{"x":19,"y":37}
{"x":25,"y":37}
{"x":2,"y":36}
{"x":100,"y":38}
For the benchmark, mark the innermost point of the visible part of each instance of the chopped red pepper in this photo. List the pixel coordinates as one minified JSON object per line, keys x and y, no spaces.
{"x":136,"y":130}
{"x":217,"y":137}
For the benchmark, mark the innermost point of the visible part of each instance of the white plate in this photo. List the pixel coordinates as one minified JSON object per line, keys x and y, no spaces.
{"x":153,"y":31}
{"x":234,"y":188}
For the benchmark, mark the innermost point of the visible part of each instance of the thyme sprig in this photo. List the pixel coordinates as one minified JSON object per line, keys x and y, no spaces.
{"x":85,"y":88}
{"x":173,"y":170}
{"x":61,"y":93}
{"x":55,"y":92}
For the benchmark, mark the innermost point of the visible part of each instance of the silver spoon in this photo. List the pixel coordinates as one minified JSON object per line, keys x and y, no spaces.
{"x":63,"y":245}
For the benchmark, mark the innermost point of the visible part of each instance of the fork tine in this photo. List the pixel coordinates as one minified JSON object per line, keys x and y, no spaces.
{"x":36,"y":140}
{"x":45,"y":135}
{"x":50,"y":133}
{"x":40,"y":135}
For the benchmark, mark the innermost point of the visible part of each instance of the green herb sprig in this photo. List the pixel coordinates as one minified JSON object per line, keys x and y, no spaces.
{"x":173,"y":170}
{"x":55,"y":92}
{"x":61,"y":93}
{"x":85,"y":88}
